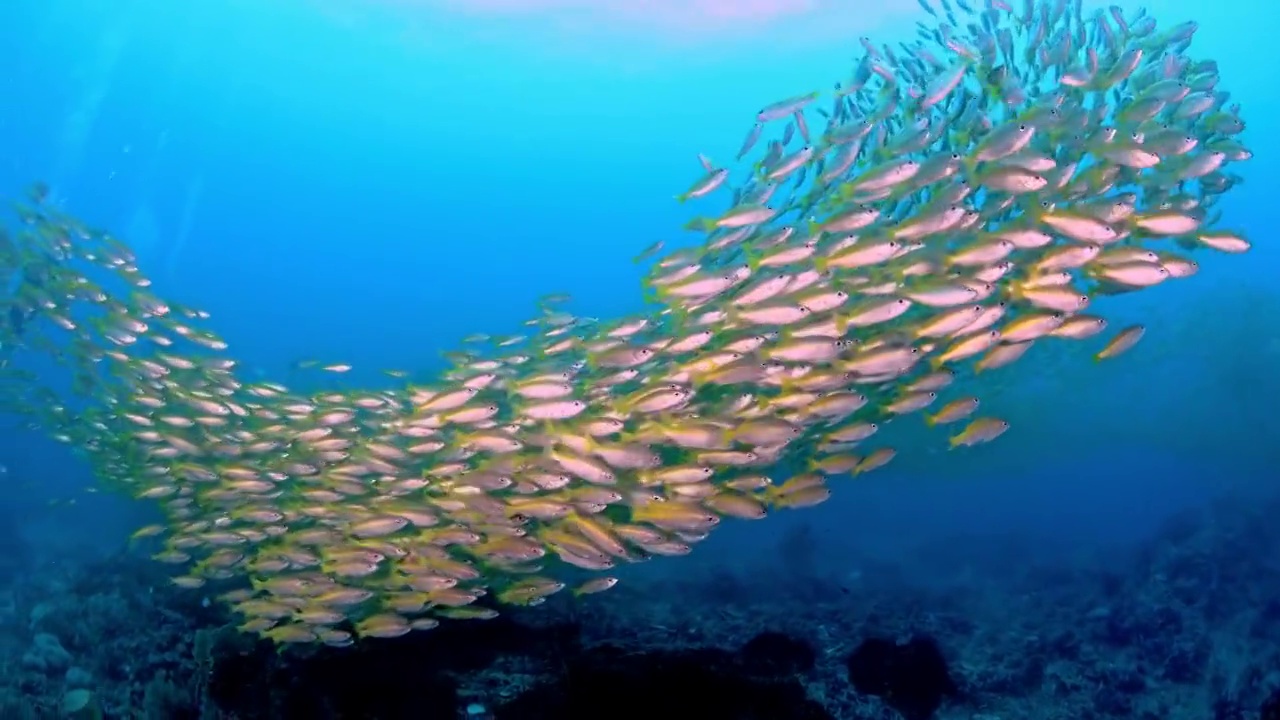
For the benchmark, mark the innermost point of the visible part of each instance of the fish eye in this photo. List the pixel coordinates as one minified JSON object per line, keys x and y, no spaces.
{"x":1023,"y":127}
{"x":519,"y":517}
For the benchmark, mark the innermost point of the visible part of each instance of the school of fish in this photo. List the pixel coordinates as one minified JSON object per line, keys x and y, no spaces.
{"x":958,"y":199}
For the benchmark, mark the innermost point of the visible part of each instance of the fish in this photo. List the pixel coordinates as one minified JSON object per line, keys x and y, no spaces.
{"x":1123,"y":341}
{"x":959,"y":200}
{"x":979,"y":431}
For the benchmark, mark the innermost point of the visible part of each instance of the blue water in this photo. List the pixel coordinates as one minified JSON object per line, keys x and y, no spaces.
{"x":369,"y":182}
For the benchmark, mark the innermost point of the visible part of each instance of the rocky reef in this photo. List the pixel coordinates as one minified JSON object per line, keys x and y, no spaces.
{"x":1183,"y":627}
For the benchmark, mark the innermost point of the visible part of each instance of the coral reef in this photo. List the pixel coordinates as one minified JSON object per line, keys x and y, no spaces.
{"x":1180,"y":628}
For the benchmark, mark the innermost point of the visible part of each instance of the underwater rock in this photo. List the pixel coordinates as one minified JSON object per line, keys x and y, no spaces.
{"x":1270,"y":709}
{"x":384,"y":680}
{"x":911,"y":678}
{"x":39,"y":613}
{"x":773,"y":654}
{"x":410,"y":677}
{"x":707,"y":684}
{"x":78,"y":677}
{"x":46,"y":654}
{"x":425,"y":675}
{"x":80,"y":705}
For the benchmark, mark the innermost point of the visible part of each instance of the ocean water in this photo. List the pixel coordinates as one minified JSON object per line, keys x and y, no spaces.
{"x":370,"y":181}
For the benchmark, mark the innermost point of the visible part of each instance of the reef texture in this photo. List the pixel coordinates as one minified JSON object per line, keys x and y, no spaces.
{"x":1183,"y":627}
